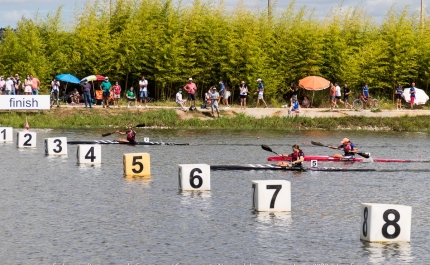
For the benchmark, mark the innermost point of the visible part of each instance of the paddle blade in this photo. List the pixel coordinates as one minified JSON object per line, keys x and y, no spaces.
{"x":265,"y":147}
{"x":140,"y":125}
{"x":106,"y":134}
{"x":317,"y":143}
{"x":365,"y":155}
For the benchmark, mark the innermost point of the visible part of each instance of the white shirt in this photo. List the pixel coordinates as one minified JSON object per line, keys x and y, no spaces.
{"x":143,"y":85}
{"x":178,"y":97}
{"x":55,"y":86}
{"x":338,"y":91}
{"x":9,"y":84}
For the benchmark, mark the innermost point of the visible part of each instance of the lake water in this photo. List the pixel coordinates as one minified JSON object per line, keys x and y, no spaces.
{"x":56,"y":211}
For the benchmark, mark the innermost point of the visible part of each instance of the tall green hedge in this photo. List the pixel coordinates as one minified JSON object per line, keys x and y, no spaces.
{"x":170,"y":42}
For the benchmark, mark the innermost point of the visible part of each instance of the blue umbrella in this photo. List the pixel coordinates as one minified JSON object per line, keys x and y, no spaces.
{"x":68,"y":78}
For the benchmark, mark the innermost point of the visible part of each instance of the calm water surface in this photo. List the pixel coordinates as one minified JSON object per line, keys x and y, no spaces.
{"x":55,"y":211}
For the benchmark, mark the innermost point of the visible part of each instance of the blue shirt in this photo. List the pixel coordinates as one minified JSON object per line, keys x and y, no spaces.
{"x":221,"y":89}
{"x":347,"y":153}
{"x":366,"y":91}
{"x":412,"y":91}
{"x":399,"y":90}
{"x":296,"y":105}
{"x":260,"y":87}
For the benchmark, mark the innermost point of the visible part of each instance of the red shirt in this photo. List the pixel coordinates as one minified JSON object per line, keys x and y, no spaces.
{"x":191,"y":88}
{"x":35,"y":83}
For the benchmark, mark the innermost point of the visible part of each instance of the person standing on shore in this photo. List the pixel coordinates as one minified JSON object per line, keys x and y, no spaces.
{"x":332,"y":96}
{"x":191,"y":90}
{"x":366,"y":91}
{"x":412,"y":92}
{"x":106,"y":86}
{"x":35,"y":85}
{"x":116,"y":94}
{"x":86,"y":90}
{"x":55,"y":91}
{"x":346,"y":92}
{"x":260,"y":92}
{"x":143,"y":91}
{"x":214,"y":101}
{"x":399,"y":95}
{"x":221,"y":91}
{"x":293,"y":90}
{"x":338,"y":95}
{"x":27,"y":85}
{"x":243,"y":94}
{"x":17,"y":84}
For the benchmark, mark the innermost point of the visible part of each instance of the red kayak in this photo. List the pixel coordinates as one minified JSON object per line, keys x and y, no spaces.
{"x":336,"y":159}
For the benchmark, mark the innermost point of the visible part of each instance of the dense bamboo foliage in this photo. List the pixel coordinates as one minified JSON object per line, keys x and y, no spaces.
{"x":169,"y":42}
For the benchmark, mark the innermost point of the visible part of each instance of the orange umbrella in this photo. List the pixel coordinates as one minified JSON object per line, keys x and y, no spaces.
{"x":314,"y":83}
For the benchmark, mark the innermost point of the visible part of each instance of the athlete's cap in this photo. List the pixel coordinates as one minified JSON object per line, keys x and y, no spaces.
{"x":259,"y":79}
{"x":190,"y":79}
{"x":345,"y":140}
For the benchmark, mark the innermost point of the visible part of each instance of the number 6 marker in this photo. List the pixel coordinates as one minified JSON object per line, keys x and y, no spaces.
{"x":194,"y":177}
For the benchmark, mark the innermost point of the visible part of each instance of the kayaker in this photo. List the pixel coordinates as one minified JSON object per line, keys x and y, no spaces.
{"x":297,"y":157}
{"x":131,"y":135}
{"x":348,"y":147}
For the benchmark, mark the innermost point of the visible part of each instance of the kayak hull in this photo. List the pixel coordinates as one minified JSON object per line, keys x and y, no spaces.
{"x":116,"y":142}
{"x":336,"y":159}
{"x":273,"y":167}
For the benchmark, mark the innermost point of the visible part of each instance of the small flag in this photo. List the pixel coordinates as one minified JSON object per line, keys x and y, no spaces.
{"x":26,"y":124}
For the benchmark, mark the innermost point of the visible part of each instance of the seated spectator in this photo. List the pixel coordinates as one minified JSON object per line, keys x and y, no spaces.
{"x":180,"y":101}
{"x":76,"y":96}
{"x":305,"y":102}
{"x":295,"y":107}
{"x":131,"y":97}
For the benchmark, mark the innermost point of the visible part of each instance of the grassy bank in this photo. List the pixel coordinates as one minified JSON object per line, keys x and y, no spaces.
{"x":101,"y":118}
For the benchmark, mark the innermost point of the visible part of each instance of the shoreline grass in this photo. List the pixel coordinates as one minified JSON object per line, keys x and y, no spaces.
{"x":168,"y":118}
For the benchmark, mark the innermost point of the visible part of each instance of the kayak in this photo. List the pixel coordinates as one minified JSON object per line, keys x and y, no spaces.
{"x":336,"y":159}
{"x":273,"y":167}
{"x":116,"y":142}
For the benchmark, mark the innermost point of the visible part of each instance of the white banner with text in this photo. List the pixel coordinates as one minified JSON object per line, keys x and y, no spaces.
{"x":25,"y":102}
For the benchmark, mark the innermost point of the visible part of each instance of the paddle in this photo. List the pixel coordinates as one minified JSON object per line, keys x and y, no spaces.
{"x":365,"y":155}
{"x":266,"y":148}
{"x":137,"y":126}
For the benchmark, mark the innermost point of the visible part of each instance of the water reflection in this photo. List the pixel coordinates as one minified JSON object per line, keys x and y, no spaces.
{"x":274,"y":218}
{"x":388,"y":253}
{"x":142,"y":181}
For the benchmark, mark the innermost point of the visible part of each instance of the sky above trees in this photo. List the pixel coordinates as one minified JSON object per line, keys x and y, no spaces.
{"x":13,"y":10}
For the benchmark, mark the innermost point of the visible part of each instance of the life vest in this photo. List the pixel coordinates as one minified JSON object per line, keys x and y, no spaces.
{"x":131,"y":136}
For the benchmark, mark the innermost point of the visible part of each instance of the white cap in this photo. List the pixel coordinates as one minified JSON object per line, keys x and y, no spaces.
{"x":106,"y":78}
{"x":190,"y":79}
{"x":259,"y":80}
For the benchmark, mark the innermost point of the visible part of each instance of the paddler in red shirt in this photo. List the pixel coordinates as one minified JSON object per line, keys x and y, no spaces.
{"x":131,"y":135}
{"x":297,"y":157}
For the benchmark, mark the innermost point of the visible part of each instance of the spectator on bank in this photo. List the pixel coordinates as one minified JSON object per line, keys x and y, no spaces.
{"x":214,"y":101}
{"x":346,"y":93}
{"x":2,"y":84}
{"x":143,"y":91}
{"x":260,"y":92}
{"x":226,"y":97}
{"x":412,"y":91}
{"x":27,"y":85}
{"x":9,"y":86}
{"x":17,"y":85}
{"x":106,"y":86}
{"x":293,"y":90}
{"x":35,"y":85}
{"x":295,"y":107}
{"x":332,"y":97}
{"x":399,"y":96}
{"x":243,"y":92}
{"x":181,"y":102}
{"x":55,"y":92}
{"x":131,"y":97}
{"x":191,"y":90}
{"x":76,"y":96}
{"x":86,"y":90}
{"x":221,"y":91}
{"x":305,"y":102}
{"x":116,"y":94}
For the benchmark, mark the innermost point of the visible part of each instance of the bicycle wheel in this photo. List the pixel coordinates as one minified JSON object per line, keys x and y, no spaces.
{"x":375,"y":104}
{"x":357,"y":104}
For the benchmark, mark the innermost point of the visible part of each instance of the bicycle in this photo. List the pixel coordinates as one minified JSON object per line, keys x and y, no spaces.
{"x":361,"y":103}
